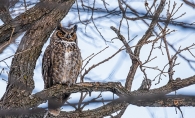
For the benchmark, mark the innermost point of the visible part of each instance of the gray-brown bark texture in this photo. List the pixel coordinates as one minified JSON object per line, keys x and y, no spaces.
{"x":40,"y":20}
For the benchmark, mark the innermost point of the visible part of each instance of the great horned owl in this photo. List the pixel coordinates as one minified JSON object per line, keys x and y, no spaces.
{"x":61,"y":64}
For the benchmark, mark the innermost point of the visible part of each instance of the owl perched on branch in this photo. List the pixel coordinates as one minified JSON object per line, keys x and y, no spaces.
{"x":61,"y":64}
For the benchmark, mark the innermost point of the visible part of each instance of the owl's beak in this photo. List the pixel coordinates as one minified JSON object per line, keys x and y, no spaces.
{"x":68,"y":36}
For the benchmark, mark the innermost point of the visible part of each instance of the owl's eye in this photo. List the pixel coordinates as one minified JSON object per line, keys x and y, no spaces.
{"x":72,"y":34}
{"x":60,"y":34}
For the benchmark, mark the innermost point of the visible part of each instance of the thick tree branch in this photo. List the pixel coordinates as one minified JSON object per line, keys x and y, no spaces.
{"x":191,"y":4}
{"x":102,"y":111}
{"x":114,"y":87}
{"x":4,"y":11}
{"x":152,"y":98}
{"x":25,"y":20}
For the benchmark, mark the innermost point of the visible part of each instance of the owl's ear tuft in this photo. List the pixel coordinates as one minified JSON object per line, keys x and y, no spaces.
{"x":75,"y":28}
{"x":59,"y":26}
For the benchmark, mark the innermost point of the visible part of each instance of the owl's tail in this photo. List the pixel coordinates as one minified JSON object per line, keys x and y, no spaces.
{"x":55,"y":103}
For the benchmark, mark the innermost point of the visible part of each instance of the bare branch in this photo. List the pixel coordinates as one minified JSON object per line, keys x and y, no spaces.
{"x":95,"y":65}
{"x":141,"y":42}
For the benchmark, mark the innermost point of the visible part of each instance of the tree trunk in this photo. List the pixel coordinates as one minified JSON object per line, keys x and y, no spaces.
{"x":20,"y":80}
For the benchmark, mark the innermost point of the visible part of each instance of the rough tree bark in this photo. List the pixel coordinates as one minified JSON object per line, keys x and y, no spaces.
{"x":41,"y":21}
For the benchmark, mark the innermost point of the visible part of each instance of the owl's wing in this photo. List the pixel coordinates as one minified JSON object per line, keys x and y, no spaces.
{"x":47,"y":67}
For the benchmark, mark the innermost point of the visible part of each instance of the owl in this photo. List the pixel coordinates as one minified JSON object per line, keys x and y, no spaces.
{"x":61,"y":64}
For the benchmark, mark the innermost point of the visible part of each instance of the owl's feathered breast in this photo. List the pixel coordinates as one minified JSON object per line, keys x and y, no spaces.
{"x":61,"y":63}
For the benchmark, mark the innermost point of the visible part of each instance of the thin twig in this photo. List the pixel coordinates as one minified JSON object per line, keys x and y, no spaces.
{"x":95,"y":65}
{"x":10,"y":39}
